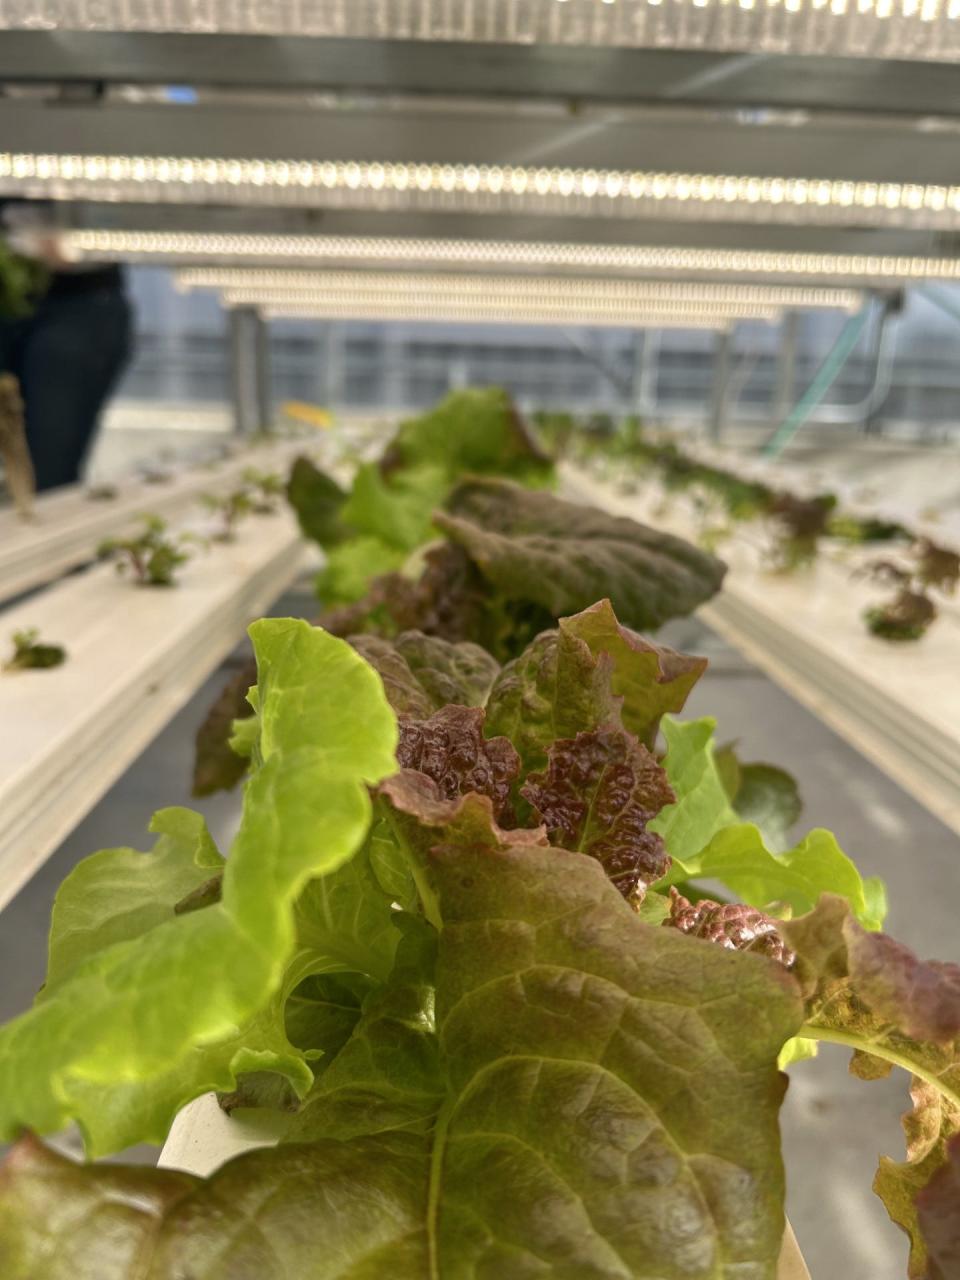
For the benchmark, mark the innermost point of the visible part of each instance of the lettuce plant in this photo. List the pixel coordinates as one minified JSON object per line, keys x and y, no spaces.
{"x":462,"y":952}
{"x":30,"y":655}
{"x":153,"y":556}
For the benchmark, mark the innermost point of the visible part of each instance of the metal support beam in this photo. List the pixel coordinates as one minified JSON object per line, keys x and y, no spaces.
{"x":250,"y":371}
{"x":786,"y":367}
{"x":477,"y":69}
{"x":722,"y":365}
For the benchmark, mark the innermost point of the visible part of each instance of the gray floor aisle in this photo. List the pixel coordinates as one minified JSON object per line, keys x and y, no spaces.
{"x":834,"y":1126}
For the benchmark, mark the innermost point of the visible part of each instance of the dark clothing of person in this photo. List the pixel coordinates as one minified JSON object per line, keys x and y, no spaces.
{"x":68,"y":356}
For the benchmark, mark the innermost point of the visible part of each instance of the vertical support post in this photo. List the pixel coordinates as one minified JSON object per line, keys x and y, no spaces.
{"x":250,"y":371}
{"x":786,"y":367}
{"x":722,"y":363}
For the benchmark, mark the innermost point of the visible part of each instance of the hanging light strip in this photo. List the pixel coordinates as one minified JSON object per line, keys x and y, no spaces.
{"x":276,"y":250}
{"x":870,"y":28}
{"x":480,"y":189}
{"x":579,"y":290}
{"x":413,"y":311}
{"x":495,"y":303}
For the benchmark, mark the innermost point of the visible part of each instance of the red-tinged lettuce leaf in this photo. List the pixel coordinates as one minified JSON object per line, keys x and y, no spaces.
{"x":597,"y":796}
{"x":217,"y":767}
{"x":554,"y":1108}
{"x":318,"y":502}
{"x":533,"y":547}
{"x":555,"y":689}
{"x":730,"y":924}
{"x":868,"y":992}
{"x":938,"y":1208}
{"x":651,"y":679}
{"x":422,"y":674}
{"x":146,"y":1023}
{"x":450,"y":749}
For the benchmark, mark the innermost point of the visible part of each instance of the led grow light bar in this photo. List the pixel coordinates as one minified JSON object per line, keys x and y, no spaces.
{"x":479,"y":189}
{"x":578,"y":290}
{"x":874,"y":28}
{"x":278,"y":250}
{"x":410,"y":310}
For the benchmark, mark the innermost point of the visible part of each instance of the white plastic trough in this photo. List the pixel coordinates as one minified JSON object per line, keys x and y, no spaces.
{"x":68,"y":524}
{"x":136,"y":655}
{"x":203,"y":1139}
{"x":898,"y":704}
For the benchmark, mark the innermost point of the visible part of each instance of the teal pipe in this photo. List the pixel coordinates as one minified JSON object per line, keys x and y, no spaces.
{"x":821,"y":384}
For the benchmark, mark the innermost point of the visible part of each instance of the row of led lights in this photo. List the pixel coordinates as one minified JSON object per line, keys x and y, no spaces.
{"x":577,"y":291}
{"x":480,"y":180}
{"x":600,"y":21}
{"x":206,"y":247}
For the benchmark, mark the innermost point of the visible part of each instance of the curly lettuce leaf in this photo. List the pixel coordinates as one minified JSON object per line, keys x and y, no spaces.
{"x":475,"y":431}
{"x":598,"y":794}
{"x":345,"y":577}
{"x":868,"y":992}
{"x":938,"y":1209}
{"x":555,"y":689}
{"x":141,"y":1026}
{"x":651,"y":679}
{"x":450,"y":748}
{"x":422,"y":674}
{"x":560,"y":556}
{"x":533,"y":1097}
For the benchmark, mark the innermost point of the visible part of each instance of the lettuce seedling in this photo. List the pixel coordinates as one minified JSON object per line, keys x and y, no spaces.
{"x":152,"y":556}
{"x":30,"y":655}
{"x":231,"y":509}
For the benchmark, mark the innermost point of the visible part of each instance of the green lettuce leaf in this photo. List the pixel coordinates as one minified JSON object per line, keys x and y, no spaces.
{"x":702,"y":806}
{"x":349,"y":567}
{"x":762,"y":794}
{"x":397,"y":511}
{"x":119,"y":895}
{"x":533,"y":547}
{"x":141,"y":1026}
{"x":217,"y":767}
{"x":475,"y":431}
{"x":318,"y":502}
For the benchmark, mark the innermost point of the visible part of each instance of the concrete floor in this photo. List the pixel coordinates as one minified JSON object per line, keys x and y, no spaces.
{"x":834,"y":1126}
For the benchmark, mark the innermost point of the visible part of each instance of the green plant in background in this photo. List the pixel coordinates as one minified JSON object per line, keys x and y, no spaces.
{"x":231,"y":509}
{"x":800,"y":524}
{"x":267,"y":490}
{"x":463,"y":950}
{"x":30,"y":655}
{"x":912,"y":610}
{"x":152,"y":556}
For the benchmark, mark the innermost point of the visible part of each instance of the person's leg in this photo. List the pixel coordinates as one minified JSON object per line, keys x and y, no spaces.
{"x":76,"y":350}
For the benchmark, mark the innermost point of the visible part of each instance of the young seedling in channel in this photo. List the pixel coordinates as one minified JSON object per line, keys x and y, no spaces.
{"x":103,"y":493}
{"x":231,"y":508}
{"x":30,"y":655}
{"x":912,"y":611}
{"x":266,"y":490}
{"x":153,"y":557}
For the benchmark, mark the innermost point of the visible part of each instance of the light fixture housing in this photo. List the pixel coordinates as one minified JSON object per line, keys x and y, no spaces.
{"x":467,"y":188}
{"x":249,"y":250}
{"x":919,"y":29}
{"x":561,"y":291}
